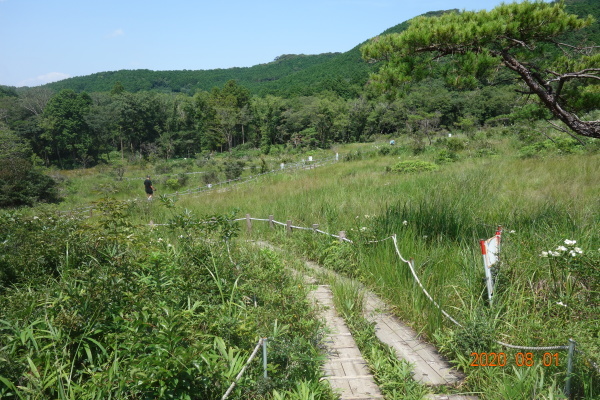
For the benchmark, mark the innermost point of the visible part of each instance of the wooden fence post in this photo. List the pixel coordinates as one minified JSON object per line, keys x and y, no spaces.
{"x":271,"y":224}
{"x":248,"y":223}
{"x":342,"y":236}
{"x":288,"y":226}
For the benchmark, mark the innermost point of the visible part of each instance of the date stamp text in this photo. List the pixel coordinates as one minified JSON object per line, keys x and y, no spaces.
{"x":519,"y":359}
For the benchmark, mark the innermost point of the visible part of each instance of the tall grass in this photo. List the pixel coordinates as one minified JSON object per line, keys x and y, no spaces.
{"x":439,"y":218}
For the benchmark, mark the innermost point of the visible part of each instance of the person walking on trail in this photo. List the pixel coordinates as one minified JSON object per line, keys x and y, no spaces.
{"x":149,"y":188}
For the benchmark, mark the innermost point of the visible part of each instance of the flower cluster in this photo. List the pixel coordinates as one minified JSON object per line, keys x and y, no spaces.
{"x":568,"y":249}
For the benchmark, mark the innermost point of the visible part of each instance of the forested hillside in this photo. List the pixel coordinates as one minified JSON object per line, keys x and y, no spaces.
{"x":187,"y":81}
{"x":295,"y":102}
{"x":287,"y":75}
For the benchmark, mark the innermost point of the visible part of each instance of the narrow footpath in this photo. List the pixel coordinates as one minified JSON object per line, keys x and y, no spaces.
{"x":347,"y":371}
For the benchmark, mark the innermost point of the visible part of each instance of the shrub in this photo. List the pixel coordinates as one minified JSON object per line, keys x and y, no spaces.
{"x":559,"y":145}
{"x":446,"y":156}
{"x":476,"y":335}
{"x":384,"y":150}
{"x":264,"y":166}
{"x":173,"y":183}
{"x":20,"y":182}
{"x":414,"y":166}
{"x":233,"y":169}
{"x":211,"y":176}
{"x":23,"y":185}
{"x":456,"y":144}
{"x":486,"y":152}
{"x":163,"y":168}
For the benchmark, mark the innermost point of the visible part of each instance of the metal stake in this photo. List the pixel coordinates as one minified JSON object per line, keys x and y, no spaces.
{"x":264,"y":343}
{"x":570,"y":368}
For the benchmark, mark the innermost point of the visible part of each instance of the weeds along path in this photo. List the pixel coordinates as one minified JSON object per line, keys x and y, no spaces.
{"x":346,"y":369}
{"x":430,"y":368}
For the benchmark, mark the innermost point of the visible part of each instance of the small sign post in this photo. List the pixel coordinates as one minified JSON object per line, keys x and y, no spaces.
{"x":490,"y":249}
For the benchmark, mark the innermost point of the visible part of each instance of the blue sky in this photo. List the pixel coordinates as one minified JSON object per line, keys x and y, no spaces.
{"x":49,"y":40}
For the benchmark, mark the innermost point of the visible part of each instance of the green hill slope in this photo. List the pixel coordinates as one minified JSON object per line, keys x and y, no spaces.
{"x":288,"y":75}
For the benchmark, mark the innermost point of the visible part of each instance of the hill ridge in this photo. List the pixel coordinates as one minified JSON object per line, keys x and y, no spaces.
{"x":344,"y":73}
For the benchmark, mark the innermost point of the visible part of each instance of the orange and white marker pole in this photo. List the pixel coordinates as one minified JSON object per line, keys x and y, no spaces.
{"x":489,"y":251}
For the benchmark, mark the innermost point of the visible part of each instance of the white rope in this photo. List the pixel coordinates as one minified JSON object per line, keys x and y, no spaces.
{"x":416,"y":277}
{"x":301,"y":228}
{"x":237,"y":378}
{"x":512,"y":346}
{"x":410,"y":264}
{"x":379,"y":241}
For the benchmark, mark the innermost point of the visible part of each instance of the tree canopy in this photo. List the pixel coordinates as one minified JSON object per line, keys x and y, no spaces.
{"x":468,"y":47}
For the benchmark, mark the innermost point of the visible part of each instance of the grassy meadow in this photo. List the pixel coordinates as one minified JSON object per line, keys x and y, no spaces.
{"x":545,"y":197}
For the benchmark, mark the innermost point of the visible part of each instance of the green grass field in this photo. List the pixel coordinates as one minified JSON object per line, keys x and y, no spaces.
{"x":544,"y":295}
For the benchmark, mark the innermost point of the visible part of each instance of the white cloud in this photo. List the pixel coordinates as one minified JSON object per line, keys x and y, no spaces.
{"x":43,"y":79}
{"x":115,"y":33}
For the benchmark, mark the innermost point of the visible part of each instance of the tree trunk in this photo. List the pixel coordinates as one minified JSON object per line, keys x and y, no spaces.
{"x":584,"y":128}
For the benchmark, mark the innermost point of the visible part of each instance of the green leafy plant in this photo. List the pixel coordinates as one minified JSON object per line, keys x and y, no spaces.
{"x":413,"y":166}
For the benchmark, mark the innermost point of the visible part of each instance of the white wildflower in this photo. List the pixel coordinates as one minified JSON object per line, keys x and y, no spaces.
{"x":364,"y":228}
{"x":561,"y":248}
{"x":578,"y":250}
{"x":570,"y":242}
{"x":513,"y":231}
{"x":554,"y":253}
{"x":560,"y":303}
{"x":404,"y":223}
{"x":544,"y":254}
{"x":36,"y":217}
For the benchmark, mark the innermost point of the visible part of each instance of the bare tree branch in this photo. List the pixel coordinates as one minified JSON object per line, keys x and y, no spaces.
{"x":568,"y":132}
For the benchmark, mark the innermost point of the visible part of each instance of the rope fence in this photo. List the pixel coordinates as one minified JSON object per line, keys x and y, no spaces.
{"x":410,"y":262}
{"x":228,"y":184}
{"x":261,"y":343}
{"x":341,"y":236}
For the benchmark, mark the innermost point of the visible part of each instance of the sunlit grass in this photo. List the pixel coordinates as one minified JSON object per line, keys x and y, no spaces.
{"x":439,"y":217}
